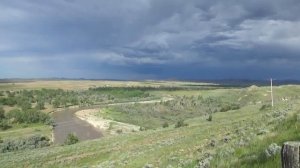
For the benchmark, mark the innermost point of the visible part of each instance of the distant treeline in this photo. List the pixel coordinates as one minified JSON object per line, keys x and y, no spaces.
{"x":159,"y":88}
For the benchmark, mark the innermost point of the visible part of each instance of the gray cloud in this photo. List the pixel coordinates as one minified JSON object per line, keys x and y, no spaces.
{"x":149,"y":38}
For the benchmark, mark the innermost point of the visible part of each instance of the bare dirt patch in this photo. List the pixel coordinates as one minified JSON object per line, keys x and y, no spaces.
{"x":108,"y":126}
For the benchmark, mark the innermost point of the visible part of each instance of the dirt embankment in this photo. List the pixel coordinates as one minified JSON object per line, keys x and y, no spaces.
{"x":105,"y":125}
{"x":109,"y":126}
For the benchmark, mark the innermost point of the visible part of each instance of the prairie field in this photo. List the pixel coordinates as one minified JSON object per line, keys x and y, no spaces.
{"x":145,"y":124}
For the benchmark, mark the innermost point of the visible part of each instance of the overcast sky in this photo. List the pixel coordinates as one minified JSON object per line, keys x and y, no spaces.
{"x":150,"y":39}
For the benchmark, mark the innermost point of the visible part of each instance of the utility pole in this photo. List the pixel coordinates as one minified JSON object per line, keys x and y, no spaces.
{"x":272,"y":92}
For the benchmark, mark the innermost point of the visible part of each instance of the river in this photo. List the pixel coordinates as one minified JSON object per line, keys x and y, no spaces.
{"x":66,"y":122}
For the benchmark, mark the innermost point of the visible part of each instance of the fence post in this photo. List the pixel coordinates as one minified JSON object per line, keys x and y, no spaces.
{"x":290,"y":155}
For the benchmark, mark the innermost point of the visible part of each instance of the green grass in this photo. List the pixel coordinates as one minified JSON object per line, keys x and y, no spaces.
{"x":25,"y":130}
{"x":253,"y":155}
{"x":184,"y":146}
{"x":161,"y":147}
{"x":185,"y":105}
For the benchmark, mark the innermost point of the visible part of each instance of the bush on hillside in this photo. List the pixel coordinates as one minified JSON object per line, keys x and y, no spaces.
{"x":265,"y":107}
{"x":36,"y":141}
{"x":4,"y":125}
{"x":165,"y":125}
{"x":10,"y":101}
{"x":40,"y":105}
{"x":209,"y":117}
{"x":180,"y":123}
{"x":71,"y":139}
{"x":272,"y":150}
{"x":28,"y":116}
{"x":142,"y":129}
{"x":227,"y":107}
{"x":2,"y":113}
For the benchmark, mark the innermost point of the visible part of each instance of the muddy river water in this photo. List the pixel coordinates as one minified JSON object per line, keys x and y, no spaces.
{"x":66,"y":122}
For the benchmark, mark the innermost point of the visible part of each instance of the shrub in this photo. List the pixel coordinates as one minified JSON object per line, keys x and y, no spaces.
{"x":180,"y":123}
{"x":2,"y":113}
{"x":40,"y":105}
{"x":4,"y":125}
{"x":228,"y":107}
{"x":56,"y":103}
{"x":10,"y":101}
{"x":265,"y":107}
{"x":165,"y":125}
{"x":28,"y":116}
{"x":272,"y":150}
{"x":209,"y":117}
{"x":71,"y":139}
{"x":25,"y":105}
{"x":36,"y":141}
{"x":119,"y":131}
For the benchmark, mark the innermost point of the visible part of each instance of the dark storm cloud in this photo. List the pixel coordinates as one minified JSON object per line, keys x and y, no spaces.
{"x":150,"y":38}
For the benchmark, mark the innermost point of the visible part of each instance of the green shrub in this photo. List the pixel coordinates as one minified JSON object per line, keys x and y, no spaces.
{"x":24,"y":104}
{"x":227,"y":107}
{"x":119,"y":131}
{"x":71,"y":139}
{"x":142,"y":129}
{"x":180,"y":123}
{"x":56,"y":103}
{"x":36,"y":141}
{"x":4,"y":125}
{"x":40,"y":105}
{"x":209,"y":117}
{"x":265,"y":107}
{"x":28,"y":116}
{"x":2,"y":113}
{"x":165,"y":125}
{"x":10,"y":101}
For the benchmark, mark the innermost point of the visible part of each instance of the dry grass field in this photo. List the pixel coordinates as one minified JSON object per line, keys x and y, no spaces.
{"x":85,"y":84}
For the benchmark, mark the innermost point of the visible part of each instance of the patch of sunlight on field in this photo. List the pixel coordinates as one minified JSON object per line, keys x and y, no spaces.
{"x":24,"y":130}
{"x":85,"y":84}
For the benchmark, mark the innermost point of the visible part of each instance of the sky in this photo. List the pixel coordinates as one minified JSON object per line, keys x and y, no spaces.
{"x":150,"y":39}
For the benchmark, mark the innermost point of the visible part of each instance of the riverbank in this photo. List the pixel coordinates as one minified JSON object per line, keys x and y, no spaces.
{"x":106,"y":126}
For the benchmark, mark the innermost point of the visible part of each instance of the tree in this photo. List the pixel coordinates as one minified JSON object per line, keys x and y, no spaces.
{"x":74,"y":101}
{"x":24,"y":104}
{"x":56,"y":103}
{"x":28,"y":116}
{"x":63,"y":101}
{"x":71,"y":139}
{"x":40,"y":105}
{"x":4,"y":125}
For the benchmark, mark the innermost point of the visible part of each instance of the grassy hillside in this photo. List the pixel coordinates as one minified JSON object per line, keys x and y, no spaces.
{"x":235,"y":137}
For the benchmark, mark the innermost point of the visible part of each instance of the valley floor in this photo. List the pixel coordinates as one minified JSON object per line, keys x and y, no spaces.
{"x":241,"y":127}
